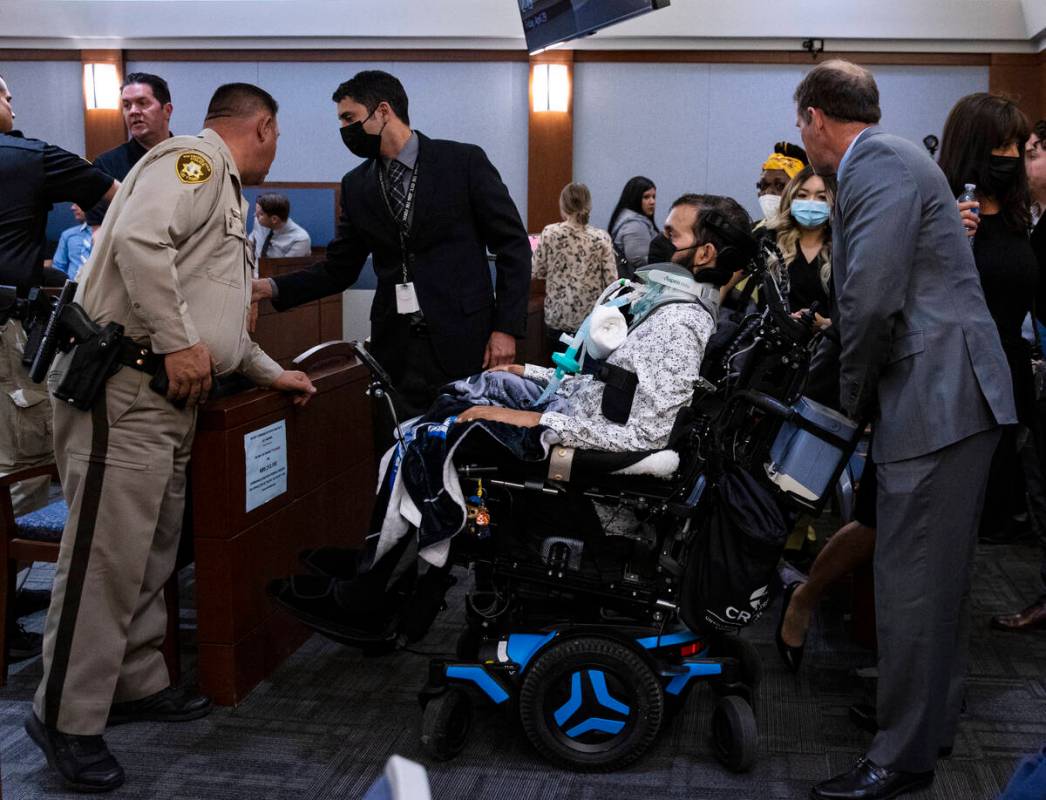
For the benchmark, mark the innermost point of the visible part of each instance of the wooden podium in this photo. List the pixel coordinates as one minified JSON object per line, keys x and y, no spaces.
{"x":329,"y":475}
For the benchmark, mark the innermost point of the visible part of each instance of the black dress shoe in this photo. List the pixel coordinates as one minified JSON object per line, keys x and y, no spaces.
{"x":868,"y":781}
{"x":23,"y":644}
{"x":792,"y":656}
{"x":84,"y":762}
{"x":331,"y":562}
{"x":167,"y":705}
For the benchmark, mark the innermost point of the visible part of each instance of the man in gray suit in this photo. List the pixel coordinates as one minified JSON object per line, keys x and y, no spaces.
{"x":921,"y":358}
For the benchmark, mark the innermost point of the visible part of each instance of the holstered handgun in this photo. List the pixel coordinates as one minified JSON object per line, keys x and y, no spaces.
{"x":94,"y":360}
{"x":42,"y":328}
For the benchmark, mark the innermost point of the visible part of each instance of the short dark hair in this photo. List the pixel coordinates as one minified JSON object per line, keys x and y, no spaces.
{"x":976,"y":125}
{"x":161,"y":91}
{"x":240,"y":100}
{"x":737,"y":231}
{"x":275,"y":205}
{"x":731,"y":211}
{"x":841,"y":90}
{"x":1039,"y":129}
{"x":370,"y":87}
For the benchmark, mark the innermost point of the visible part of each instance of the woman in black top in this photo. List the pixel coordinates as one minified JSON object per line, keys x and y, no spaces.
{"x":983,"y":144}
{"x":804,"y":240}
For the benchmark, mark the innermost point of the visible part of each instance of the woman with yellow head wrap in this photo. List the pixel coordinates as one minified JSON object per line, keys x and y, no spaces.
{"x":784,"y":163}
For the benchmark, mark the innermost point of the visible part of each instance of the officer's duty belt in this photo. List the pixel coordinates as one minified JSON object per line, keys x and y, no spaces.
{"x":139,"y":357}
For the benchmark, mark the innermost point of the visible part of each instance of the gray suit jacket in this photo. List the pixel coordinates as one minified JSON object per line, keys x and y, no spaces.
{"x":915,"y":331}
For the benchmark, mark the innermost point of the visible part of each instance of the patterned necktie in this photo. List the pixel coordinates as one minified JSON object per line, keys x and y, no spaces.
{"x":397,"y":193}
{"x":265,"y":246}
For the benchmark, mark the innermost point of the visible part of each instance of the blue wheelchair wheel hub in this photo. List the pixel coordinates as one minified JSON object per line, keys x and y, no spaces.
{"x":592,"y":714}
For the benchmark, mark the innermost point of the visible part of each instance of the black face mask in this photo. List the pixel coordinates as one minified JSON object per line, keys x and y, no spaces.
{"x":662,"y":252}
{"x":1002,"y":172}
{"x":717,"y":274}
{"x":361,"y":143}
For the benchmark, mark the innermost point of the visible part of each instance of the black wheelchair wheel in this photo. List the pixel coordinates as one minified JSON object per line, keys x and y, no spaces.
{"x":445,"y":724}
{"x":734,"y":733}
{"x":591,"y":704}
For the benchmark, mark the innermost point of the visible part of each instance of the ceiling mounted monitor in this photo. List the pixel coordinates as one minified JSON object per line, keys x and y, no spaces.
{"x":549,"y":22}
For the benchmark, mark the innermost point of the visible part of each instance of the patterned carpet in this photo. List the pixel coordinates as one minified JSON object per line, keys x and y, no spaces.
{"x":325,"y":723}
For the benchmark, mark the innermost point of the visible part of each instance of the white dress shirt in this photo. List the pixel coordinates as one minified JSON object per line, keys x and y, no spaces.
{"x":290,"y":241}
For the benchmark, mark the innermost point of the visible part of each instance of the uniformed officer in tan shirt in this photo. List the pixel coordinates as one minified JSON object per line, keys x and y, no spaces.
{"x":172,"y":265}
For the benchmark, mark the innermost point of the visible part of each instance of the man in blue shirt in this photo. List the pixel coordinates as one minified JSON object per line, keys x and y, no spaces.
{"x":74,"y":246}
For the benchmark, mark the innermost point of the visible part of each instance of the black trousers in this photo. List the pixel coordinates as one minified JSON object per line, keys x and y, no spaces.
{"x":409,"y":356}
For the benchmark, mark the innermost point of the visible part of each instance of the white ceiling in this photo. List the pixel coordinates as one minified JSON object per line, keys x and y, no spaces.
{"x":956,"y":25}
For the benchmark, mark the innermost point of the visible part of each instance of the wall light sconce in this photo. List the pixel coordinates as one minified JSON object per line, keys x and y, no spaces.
{"x":551,"y":87}
{"x":101,"y":86}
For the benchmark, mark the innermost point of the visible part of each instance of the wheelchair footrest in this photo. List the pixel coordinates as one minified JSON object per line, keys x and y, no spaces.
{"x":678,"y":678}
{"x":488,"y":678}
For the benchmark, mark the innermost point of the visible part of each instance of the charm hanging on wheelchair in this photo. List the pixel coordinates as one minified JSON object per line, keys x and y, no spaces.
{"x":478,"y":524}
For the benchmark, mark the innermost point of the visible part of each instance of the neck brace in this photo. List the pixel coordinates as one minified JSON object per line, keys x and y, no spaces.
{"x":605,"y":328}
{"x":671,"y":283}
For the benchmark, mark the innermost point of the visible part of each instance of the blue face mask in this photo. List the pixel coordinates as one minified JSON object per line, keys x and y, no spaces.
{"x":810,"y":213}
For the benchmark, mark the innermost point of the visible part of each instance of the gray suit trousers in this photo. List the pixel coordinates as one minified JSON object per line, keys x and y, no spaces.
{"x":929,"y":508}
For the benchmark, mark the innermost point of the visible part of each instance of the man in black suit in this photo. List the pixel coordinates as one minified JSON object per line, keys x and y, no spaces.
{"x":427,"y":210}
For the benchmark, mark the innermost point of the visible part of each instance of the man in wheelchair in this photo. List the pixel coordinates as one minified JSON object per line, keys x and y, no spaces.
{"x":646,"y":372}
{"x":618,"y":524}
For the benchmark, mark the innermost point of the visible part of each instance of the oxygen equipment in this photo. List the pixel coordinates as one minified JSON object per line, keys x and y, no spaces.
{"x":605,"y":328}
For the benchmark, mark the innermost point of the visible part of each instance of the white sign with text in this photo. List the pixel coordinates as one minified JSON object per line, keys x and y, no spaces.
{"x":266,"y":455}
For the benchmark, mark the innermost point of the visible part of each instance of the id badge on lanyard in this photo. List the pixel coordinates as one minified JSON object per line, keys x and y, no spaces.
{"x":406,"y":296}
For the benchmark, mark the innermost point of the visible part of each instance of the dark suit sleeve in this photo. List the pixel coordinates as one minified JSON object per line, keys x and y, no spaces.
{"x":881,"y":220}
{"x":69,"y":177}
{"x":96,"y":214}
{"x":503,"y":233}
{"x":346,"y":255}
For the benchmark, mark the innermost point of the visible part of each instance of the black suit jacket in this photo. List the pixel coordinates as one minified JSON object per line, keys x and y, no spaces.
{"x":461,"y":208}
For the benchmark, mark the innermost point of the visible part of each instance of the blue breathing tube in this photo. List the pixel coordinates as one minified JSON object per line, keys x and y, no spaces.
{"x":570,"y":361}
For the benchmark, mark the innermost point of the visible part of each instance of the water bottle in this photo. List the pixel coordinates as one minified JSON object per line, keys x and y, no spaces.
{"x":969,"y":194}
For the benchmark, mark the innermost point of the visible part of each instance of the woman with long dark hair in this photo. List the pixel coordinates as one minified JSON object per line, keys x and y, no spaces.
{"x":632,"y":225}
{"x":983,"y":144}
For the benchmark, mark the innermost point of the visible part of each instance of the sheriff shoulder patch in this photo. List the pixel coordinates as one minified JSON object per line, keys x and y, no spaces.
{"x":193,"y":167}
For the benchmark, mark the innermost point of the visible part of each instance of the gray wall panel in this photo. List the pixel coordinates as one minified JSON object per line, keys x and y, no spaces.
{"x":916,"y":100}
{"x":689,"y":127}
{"x":640,"y":119}
{"x":48,"y":100}
{"x":192,"y":83}
{"x":482,"y":103}
{"x":751,"y":108}
{"x":707,"y":128}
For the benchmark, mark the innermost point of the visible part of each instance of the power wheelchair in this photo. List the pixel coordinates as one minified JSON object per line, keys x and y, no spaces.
{"x":575,"y":620}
